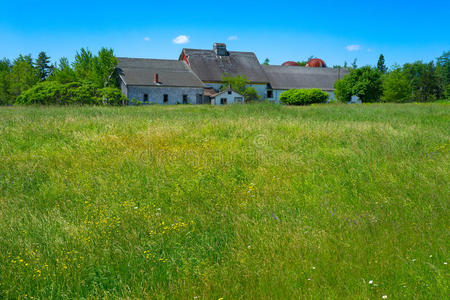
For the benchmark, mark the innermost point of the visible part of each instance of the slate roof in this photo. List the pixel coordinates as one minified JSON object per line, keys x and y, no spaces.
{"x":287,"y":77}
{"x":210,"y":67}
{"x":141,"y":71}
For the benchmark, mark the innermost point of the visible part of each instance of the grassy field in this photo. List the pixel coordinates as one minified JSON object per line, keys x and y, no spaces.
{"x":237,"y":202}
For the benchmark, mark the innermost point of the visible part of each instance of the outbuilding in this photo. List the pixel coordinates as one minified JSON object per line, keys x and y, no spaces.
{"x":227,"y":97}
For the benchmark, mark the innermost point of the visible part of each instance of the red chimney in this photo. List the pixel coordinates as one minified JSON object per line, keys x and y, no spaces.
{"x":156,"y":78}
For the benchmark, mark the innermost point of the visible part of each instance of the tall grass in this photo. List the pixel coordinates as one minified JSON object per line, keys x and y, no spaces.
{"x":236,"y":202}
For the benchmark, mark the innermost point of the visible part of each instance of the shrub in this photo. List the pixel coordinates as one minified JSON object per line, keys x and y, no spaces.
{"x":53,"y":92}
{"x":343,"y":91}
{"x":47,"y":92}
{"x":112,"y":96}
{"x":396,"y":87}
{"x":250,"y":94}
{"x":303,"y":97}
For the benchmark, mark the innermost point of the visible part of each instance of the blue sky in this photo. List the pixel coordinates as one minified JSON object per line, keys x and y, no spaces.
{"x":336,"y":31}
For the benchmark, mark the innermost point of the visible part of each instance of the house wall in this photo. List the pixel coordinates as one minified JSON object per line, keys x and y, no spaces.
{"x":230,"y":98}
{"x":156,"y":94}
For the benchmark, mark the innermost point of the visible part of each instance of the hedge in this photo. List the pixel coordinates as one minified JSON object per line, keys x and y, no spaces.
{"x":303,"y":97}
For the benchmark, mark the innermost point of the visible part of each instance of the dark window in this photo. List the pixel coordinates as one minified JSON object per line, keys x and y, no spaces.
{"x":269,"y":94}
{"x":185,"y":99}
{"x":166,"y":98}
{"x":223,"y":101}
{"x":145,"y":97}
{"x":229,"y":92}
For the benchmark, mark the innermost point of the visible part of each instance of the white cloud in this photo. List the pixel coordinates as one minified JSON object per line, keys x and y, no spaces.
{"x":233,"y":38}
{"x":353,"y":47}
{"x":147,"y":39}
{"x":181,"y":39}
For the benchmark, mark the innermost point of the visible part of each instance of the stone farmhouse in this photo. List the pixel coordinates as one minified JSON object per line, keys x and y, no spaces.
{"x":195,"y":77}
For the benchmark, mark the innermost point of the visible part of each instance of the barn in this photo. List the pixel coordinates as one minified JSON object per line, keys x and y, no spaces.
{"x":196,"y":77}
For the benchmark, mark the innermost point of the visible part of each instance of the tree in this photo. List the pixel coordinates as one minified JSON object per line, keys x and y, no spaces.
{"x":104,"y":68}
{"x":423,"y":80}
{"x":5,"y":71}
{"x":43,"y":66}
{"x":396,"y":86}
{"x":63,"y":73}
{"x":380,"y":65}
{"x":443,"y":73}
{"x":83,"y":64}
{"x":354,"y":65}
{"x":23,"y":75}
{"x":266,"y":62}
{"x":364,"y":82}
{"x":237,"y":83}
{"x":343,"y":90}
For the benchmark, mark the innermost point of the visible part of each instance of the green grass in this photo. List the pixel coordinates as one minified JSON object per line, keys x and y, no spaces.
{"x":237,"y":202}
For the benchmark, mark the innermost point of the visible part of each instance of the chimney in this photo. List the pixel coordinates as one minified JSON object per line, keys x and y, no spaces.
{"x":156,"y":78}
{"x":220,"y":49}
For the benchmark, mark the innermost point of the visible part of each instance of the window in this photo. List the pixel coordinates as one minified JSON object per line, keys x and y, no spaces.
{"x":185,"y":99}
{"x":238,"y":100}
{"x":145,"y":97}
{"x":166,"y":98}
{"x":223,"y":101}
{"x":229,"y":92}
{"x":269,"y":94}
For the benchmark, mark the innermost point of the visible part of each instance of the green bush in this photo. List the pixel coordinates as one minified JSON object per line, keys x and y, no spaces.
{"x":303,"y":97}
{"x":47,"y":92}
{"x":250,"y":94}
{"x":112,"y":96}
{"x":53,"y":92}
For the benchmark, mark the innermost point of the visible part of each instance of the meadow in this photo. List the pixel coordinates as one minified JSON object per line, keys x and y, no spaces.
{"x":238,"y":202}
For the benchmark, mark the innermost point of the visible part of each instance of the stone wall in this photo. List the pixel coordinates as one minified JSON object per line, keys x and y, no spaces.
{"x":174,"y":94}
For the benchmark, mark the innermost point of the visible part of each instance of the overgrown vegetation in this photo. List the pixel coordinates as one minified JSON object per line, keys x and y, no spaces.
{"x":89,"y":80}
{"x":303,"y":97}
{"x":236,"y":202}
{"x":418,"y":81}
{"x":239,"y":84}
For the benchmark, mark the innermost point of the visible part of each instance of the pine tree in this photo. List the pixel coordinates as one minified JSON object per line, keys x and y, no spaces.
{"x":380,"y":65}
{"x":43,"y":66}
{"x":266,"y":62}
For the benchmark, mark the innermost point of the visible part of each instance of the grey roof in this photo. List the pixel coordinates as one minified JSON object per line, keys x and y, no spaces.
{"x":287,"y":77}
{"x":210,"y":67}
{"x":141,"y":71}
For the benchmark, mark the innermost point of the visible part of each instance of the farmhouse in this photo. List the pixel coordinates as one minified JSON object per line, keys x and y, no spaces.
{"x":159,"y":81}
{"x":196,"y":77}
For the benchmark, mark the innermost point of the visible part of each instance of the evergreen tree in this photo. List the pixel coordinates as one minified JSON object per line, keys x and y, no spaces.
{"x":354,"y":65}
{"x":43,"y":66}
{"x":380,"y":65}
{"x":266,"y":62}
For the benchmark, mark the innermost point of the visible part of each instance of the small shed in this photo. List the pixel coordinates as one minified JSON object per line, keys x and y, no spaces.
{"x":228,"y":96}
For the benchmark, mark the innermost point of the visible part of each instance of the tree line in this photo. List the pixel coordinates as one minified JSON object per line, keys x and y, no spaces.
{"x":90,"y":79}
{"x":418,"y":82}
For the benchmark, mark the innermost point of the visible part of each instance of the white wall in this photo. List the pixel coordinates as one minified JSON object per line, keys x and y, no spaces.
{"x":260,"y":88}
{"x":231,"y":98}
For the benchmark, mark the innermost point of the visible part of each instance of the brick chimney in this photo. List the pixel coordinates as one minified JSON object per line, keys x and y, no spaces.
{"x":156,"y":78}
